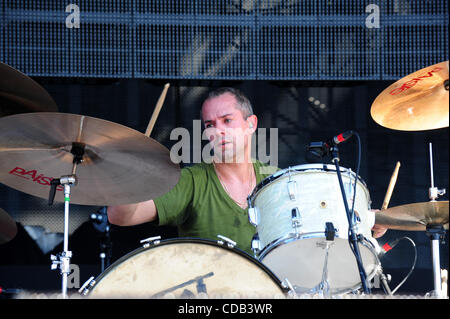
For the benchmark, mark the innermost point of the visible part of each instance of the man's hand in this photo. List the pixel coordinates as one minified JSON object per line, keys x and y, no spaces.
{"x":378,"y":230}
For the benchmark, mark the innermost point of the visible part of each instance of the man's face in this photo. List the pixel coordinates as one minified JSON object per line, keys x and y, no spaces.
{"x":226,"y":128}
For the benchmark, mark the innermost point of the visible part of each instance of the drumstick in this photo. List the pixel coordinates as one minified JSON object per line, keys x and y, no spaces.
{"x":387,"y":198}
{"x":156,"y":110}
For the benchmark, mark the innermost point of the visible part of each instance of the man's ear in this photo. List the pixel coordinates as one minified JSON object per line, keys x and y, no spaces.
{"x":252,"y":122}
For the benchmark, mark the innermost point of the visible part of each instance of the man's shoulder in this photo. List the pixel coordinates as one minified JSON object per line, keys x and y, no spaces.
{"x":265,"y":169}
{"x":199,"y":169}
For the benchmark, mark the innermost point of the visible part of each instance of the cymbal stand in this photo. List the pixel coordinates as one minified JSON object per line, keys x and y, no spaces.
{"x":436,"y":234}
{"x":433,"y":192}
{"x":62,"y":260}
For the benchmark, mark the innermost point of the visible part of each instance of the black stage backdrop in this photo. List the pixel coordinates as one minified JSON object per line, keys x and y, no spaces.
{"x":302,"y":112}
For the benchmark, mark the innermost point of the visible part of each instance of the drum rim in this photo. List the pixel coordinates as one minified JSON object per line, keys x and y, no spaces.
{"x":298,"y":168}
{"x":293,"y":237}
{"x":186,"y":240}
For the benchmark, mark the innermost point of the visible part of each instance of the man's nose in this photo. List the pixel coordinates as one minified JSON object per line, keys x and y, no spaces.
{"x":220,"y":129}
{"x":213,"y":132}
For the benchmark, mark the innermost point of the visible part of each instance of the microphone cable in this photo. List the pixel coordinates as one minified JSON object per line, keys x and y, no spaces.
{"x":352,"y":210}
{"x":387,"y":247}
{"x":358,"y":165}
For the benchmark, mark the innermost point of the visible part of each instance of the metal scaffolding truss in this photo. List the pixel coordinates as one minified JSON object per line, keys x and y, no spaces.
{"x":224,"y":39}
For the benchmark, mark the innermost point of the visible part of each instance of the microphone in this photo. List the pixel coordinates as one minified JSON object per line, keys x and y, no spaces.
{"x":317,"y":150}
{"x":388,"y":246}
{"x":341,"y":138}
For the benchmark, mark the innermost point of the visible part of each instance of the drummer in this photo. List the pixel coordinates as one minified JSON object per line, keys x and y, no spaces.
{"x":211,"y":199}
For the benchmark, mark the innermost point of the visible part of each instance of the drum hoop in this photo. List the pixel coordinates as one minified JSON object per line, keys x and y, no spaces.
{"x":188,"y":240}
{"x":299,"y":168}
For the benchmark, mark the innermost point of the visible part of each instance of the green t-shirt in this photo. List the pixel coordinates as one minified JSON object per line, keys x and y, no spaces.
{"x":201,"y":208}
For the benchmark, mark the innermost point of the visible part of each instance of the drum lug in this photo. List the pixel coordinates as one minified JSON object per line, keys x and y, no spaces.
{"x":150,"y":241}
{"x":226,"y":240}
{"x":256,"y":244}
{"x":253,"y":216}
{"x":292,"y":189}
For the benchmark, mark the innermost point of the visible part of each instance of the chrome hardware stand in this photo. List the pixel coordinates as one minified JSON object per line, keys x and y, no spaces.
{"x":323,"y":288}
{"x":436,"y":234}
{"x":433,"y":192}
{"x":62,"y":260}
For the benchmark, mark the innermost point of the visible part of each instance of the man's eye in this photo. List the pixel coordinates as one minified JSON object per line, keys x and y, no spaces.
{"x":227,"y":120}
{"x":208,"y":125}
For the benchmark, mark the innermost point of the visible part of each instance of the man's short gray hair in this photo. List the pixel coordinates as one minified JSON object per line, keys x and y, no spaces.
{"x":243,"y":103}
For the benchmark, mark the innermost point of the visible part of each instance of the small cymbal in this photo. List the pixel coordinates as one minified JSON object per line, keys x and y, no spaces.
{"x":414,"y":217}
{"x":120,"y":165}
{"x":8,"y":227}
{"x":20,"y":94}
{"x":417,"y":102}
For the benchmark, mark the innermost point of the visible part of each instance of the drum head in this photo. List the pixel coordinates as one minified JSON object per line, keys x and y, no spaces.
{"x":186,"y":268}
{"x":302,"y":262}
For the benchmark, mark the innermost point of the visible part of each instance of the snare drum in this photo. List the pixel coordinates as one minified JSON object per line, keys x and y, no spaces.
{"x":302,"y":228}
{"x":186,"y":268}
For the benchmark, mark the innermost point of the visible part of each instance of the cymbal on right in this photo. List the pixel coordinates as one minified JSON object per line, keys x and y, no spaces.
{"x":416,"y":102}
{"x":414,"y":217}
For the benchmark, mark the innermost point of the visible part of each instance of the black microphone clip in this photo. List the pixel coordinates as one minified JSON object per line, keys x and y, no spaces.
{"x":316,"y":151}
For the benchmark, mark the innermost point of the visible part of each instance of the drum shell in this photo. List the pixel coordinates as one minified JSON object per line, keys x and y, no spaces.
{"x":318,"y":199}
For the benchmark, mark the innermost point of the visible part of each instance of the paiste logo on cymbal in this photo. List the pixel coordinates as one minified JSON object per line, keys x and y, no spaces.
{"x":33,"y":176}
{"x":407,"y":85}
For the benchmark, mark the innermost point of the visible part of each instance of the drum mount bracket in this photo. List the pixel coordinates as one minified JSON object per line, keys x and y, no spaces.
{"x":296,"y":219}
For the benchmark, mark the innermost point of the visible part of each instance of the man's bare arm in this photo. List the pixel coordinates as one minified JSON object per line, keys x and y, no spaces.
{"x":132,"y":214}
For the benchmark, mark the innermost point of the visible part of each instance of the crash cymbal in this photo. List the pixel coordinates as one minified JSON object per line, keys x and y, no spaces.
{"x":20,"y":94}
{"x":414,"y":216}
{"x":8,"y":227}
{"x":417,"y":102}
{"x":120,"y":165}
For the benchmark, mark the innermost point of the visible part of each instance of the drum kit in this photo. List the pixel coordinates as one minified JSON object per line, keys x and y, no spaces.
{"x":307,"y":238}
